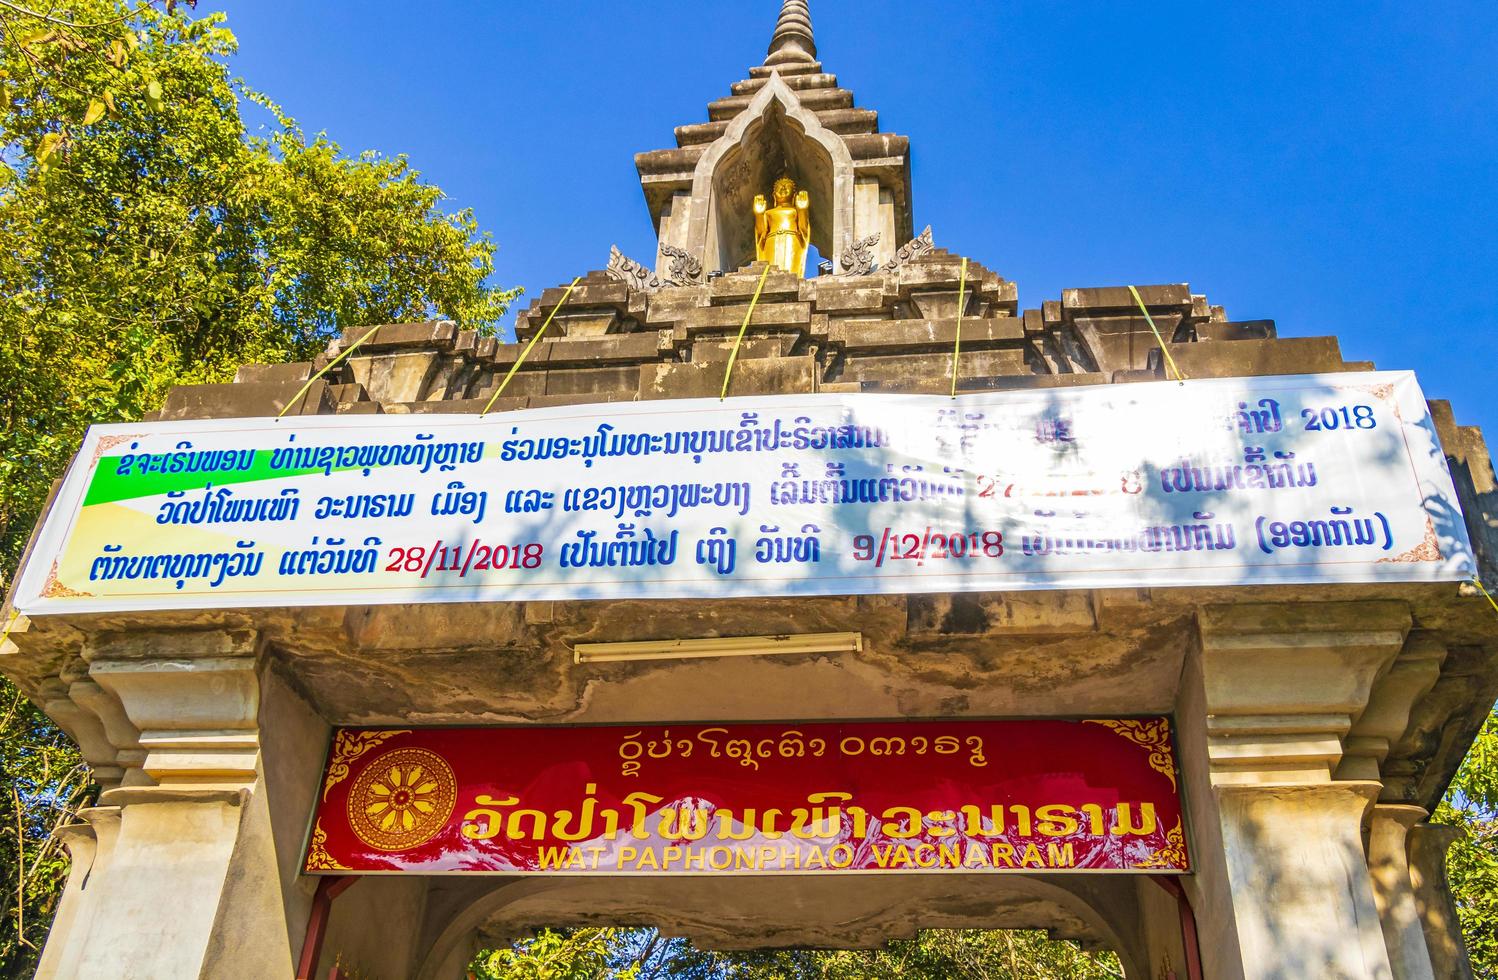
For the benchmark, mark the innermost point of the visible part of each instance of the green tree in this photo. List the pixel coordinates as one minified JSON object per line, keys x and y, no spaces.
{"x":149,"y":239}
{"x":1472,"y":864}
{"x":579,"y":954}
{"x":958,"y":954}
{"x":937,"y":954}
{"x":43,"y":781}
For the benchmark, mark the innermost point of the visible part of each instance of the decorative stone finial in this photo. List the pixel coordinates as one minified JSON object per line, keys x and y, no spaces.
{"x":792,"y":40}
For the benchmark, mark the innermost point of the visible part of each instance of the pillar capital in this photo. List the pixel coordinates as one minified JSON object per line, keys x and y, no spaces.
{"x":1284,"y":683}
{"x":1385,"y":718}
{"x":192,"y":698}
{"x":204,"y":846}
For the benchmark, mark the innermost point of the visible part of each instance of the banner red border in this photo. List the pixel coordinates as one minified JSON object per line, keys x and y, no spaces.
{"x":879,"y":797}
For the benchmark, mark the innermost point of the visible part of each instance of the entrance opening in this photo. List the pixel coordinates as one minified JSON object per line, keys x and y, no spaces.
{"x":933,"y":954}
{"x":764,"y":927}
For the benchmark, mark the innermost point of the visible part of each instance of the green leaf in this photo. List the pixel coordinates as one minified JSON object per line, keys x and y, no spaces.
{"x":46,"y":148}
{"x":153,"y":93}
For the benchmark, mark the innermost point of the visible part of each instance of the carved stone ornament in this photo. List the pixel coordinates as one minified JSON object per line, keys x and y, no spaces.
{"x":685,"y":270}
{"x":858,"y":257}
{"x":919,"y":245}
{"x":630,"y":272}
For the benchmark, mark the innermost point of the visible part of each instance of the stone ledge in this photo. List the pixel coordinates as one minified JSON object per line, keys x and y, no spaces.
{"x":813,"y":99}
{"x":781,"y":375}
{"x":786,"y":70}
{"x":868,"y":147}
{"x":297,"y":372}
{"x":1100,"y":299}
{"x":253,"y":399}
{"x":796,"y":83}
{"x":1236,"y":330}
{"x":1259,"y":358}
{"x":431,"y":334}
{"x":135,"y":795}
{"x":898,"y":336}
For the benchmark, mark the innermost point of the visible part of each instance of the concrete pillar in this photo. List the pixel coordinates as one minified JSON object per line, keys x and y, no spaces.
{"x":90,"y":846}
{"x":1301,"y":892}
{"x":1163,"y":940}
{"x":1393,"y":893}
{"x":188,"y":867}
{"x":80,"y":841}
{"x":874,"y":214}
{"x":1434,"y":903}
{"x":672,"y":229}
{"x":154,"y":911}
{"x":1283,"y":686}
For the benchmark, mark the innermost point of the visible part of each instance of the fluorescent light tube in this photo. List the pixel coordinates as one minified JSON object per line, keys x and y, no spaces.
{"x":722,"y":646}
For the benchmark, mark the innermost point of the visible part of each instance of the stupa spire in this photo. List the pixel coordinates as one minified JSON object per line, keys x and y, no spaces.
{"x":792,"y":41}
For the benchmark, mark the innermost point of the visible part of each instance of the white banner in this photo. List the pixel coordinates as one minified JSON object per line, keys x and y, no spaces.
{"x":1327,"y":478}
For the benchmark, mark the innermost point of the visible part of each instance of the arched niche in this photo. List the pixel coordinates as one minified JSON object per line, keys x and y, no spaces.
{"x":775,"y":135}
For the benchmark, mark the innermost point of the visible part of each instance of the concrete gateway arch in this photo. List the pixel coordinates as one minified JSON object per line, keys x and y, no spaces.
{"x":983,"y":661}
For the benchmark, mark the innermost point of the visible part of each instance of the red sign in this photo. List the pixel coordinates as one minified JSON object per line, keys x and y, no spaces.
{"x":966,"y":796}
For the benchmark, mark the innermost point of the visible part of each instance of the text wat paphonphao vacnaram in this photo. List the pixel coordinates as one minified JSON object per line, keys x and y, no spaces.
{"x":1291,"y":479}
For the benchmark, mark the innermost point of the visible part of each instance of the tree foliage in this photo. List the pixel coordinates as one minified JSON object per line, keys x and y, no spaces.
{"x":1472,"y":863}
{"x":581,"y":954}
{"x":42,"y":782}
{"x":937,"y":954}
{"x":149,"y":238}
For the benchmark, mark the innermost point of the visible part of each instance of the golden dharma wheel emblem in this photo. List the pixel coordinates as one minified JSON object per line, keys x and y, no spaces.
{"x":402,"y":799}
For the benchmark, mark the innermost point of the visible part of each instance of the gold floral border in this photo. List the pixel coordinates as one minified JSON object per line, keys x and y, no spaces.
{"x":318,"y":858}
{"x":1153,"y":734}
{"x":1429,"y":549}
{"x":1383,"y":393}
{"x":53,"y":589}
{"x":349,"y":746}
{"x":106,"y":443}
{"x":1172,"y":855}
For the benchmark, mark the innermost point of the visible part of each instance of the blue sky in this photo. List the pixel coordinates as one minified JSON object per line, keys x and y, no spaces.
{"x":1332,"y":166}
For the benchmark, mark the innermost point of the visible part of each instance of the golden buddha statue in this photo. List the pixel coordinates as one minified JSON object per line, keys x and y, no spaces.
{"x":781,"y":233}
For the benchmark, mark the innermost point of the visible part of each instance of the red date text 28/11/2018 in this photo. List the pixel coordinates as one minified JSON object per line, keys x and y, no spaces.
{"x":926,"y":545}
{"x":476,"y":557}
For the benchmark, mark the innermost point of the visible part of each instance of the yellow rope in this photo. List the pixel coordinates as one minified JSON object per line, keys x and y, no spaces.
{"x":957,"y":347}
{"x":526,"y":353}
{"x":15,"y":614}
{"x":1478,"y":582}
{"x":1170,"y":364}
{"x":326,"y":368}
{"x":733,"y":355}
